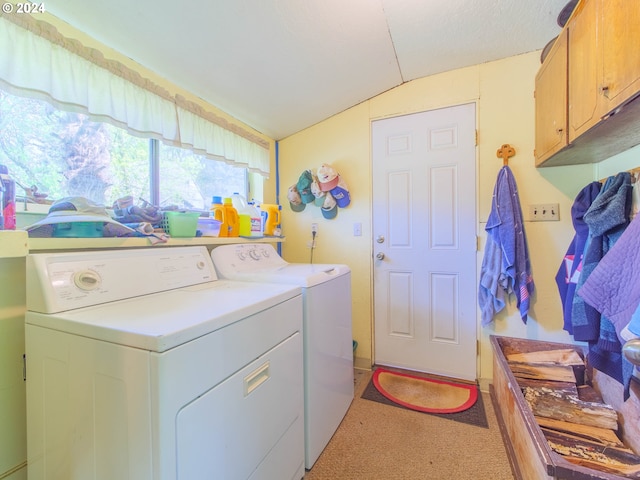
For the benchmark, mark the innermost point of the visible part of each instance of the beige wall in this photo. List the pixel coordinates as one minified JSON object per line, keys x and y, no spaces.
{"x":503,"y":91}
{"x":343,"y":142}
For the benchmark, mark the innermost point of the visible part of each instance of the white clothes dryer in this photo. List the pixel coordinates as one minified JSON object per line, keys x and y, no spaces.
{"x":143,"y":365}
{"x":328,"y":344}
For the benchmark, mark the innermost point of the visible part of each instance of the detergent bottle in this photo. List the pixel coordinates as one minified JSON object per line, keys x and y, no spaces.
{"x":249,"y":217}
{"x":231,"y":216}
{"x":218,"y":212}
{"x":272,"y":220}
{"x":257,"y":225}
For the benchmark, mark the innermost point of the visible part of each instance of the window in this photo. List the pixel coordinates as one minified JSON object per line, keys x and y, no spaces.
{"x":191,"y":180}
{"x":67,"y":154}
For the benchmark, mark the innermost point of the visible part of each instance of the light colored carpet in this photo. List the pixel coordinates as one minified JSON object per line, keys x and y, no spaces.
{"x":383,"y":442}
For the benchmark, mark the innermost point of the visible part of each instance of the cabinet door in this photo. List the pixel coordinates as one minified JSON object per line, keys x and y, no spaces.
{"x":619,"y":20}
{"x":583,"y":70}
{"x":551,"y":102}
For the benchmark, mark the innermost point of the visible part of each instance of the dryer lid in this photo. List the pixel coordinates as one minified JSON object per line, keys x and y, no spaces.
{"x":162,"y":321}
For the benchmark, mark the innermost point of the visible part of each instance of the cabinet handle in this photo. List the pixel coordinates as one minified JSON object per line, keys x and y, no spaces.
{"x":604,"y":90}
{"x":560,"y":131}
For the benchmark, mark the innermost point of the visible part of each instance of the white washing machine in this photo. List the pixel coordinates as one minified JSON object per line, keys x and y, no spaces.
{"x":142,"y":364}
{"x":328,"y":344}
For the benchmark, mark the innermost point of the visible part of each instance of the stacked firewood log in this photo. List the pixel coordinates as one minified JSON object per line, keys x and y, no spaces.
{"x":572,"y":416}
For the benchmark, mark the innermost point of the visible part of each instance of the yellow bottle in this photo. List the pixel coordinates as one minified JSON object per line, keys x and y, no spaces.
{"x":232,"y":219}
{"x":218,"y":211}
{"x":273,"y":217}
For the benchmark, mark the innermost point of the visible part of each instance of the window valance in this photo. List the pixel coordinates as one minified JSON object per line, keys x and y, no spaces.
{"x":37,"y":61}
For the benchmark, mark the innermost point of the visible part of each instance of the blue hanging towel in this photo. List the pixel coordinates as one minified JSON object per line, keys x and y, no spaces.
{"x":506,"y":268}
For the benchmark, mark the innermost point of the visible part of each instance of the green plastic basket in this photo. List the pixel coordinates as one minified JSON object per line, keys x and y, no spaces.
{"x":78,"y":230}
{"x":180,"y":224}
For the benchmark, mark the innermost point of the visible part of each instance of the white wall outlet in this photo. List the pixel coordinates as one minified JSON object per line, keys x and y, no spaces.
{"x":357,"y":229}
{"x":544,"y":212}
{"x":314,"y":228}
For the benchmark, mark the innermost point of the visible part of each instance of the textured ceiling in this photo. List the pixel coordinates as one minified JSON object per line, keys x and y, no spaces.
{"x":283,"y":65}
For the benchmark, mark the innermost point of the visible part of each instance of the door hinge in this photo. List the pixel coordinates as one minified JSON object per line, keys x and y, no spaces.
{"x":477,"y":243}
{"x":476,"y":137}
{"x":24,"y":367}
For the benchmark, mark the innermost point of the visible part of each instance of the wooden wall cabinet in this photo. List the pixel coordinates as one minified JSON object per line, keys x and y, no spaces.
{"x":551,"y":101}
{"x":583,"y":84}
{"x":602,"y":82}
{"x":620,"y":57}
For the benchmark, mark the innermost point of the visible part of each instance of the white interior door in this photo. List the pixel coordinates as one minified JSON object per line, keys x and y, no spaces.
{"x":424,"y":241}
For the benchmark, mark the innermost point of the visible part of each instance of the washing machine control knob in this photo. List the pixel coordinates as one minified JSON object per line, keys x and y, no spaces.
{"x":255,"y":255}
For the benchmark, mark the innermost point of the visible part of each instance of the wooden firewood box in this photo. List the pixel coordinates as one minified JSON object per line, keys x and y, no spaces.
{"x":548,"y":400}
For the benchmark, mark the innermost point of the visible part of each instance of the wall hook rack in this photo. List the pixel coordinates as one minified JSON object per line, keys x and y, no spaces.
{"x":505,"y":152}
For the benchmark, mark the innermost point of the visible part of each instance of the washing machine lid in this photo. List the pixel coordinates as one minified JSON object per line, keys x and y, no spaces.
{"x":301,"y":274}
{"x":261,"y":263}
{"x":161,"y":321}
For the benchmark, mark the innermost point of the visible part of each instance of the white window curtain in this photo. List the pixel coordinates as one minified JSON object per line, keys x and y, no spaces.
{"x":209,"y":139}
{"x":36,"y":61}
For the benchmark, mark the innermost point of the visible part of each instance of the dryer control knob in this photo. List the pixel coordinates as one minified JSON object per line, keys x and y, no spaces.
{"x":87,"y":280}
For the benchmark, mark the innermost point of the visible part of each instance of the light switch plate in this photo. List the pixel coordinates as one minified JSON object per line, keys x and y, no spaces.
{"x":544,"y":212}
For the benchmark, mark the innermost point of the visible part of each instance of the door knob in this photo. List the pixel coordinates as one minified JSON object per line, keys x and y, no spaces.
{"x":380,"y":239}
{"x":380,"y":256}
